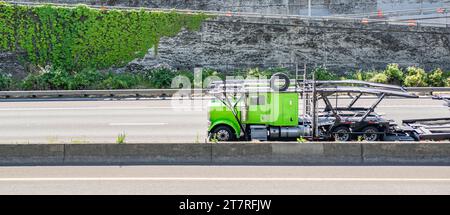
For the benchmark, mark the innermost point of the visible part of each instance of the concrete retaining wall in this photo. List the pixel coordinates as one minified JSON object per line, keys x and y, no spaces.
{"x":229,"y":43}
{"x":229,"y":153}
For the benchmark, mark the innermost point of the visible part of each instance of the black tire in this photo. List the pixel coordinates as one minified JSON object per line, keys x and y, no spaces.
{"x":370,"y":134}
{"x":341,"y":134}
{"x":223,"y":133}
{"x":280,"y":76}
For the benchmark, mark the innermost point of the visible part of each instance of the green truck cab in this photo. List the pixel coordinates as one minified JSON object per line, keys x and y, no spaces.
{"x":253,"y":115}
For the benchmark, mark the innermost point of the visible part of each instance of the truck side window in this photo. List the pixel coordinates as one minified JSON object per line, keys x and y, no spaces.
{"x":258,"y":100}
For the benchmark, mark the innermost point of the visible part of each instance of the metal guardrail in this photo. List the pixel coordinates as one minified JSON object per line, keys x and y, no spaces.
{"x":392,"y":13}
{"x":238,"y":14}
{"x":428,"y":90}
{"x":94,"y":93}
{"x":152,"y":93}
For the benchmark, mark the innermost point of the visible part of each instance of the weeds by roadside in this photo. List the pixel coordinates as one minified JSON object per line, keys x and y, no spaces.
{"x":121,"y":138}
{"x":302,"y":140}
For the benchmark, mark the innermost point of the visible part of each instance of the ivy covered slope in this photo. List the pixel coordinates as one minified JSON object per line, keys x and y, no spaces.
{"x":82,"y":37}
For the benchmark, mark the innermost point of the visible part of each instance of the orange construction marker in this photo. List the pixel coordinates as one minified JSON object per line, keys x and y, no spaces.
{"x":412,"y":23}
{"x":365,"y":21}
{"x":380,"y":13}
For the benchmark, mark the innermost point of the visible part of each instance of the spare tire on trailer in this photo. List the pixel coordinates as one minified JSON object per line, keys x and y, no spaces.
{"x":279,"y":76}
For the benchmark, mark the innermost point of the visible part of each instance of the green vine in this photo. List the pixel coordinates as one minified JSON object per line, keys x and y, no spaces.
{"x":82,"y":37}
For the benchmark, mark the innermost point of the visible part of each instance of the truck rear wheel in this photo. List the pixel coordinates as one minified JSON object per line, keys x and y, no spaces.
{"x":223,"y":133}
{"x":370,"y":134}
{"x":341,"y":134}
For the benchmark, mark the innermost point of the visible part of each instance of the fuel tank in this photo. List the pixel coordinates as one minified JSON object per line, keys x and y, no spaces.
{"x":289,"y":132}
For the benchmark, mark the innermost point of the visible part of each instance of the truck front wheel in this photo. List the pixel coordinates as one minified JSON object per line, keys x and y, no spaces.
{"x":223,"y":133}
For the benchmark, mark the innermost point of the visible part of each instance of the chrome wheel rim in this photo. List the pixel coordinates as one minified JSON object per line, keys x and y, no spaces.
{"x":370,"y":135}
{"x":223,"y":135}
{"x":341,"y":135}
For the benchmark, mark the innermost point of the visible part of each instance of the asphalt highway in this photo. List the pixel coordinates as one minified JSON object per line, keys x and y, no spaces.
{"x":233,"y":180}
{"x":144,"y":121}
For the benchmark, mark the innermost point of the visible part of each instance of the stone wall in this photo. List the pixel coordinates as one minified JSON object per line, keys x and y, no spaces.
{"x":10,"y":64}
{"x":230,"y":42}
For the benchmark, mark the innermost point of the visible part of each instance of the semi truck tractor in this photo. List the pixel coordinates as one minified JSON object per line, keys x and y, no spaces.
{"x":278,"y":110}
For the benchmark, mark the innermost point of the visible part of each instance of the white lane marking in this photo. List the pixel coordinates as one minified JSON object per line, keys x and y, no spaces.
{"x":136,"y":123}
{"x":226,"y":179}
{"x":95,"y":108}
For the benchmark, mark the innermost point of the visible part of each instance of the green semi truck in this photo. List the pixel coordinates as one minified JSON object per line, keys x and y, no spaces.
{"x":254,"y":110}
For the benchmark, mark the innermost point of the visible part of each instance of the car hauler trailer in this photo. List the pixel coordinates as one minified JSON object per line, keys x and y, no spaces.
{"x":270,"y":110}
{"x":445,"y":98}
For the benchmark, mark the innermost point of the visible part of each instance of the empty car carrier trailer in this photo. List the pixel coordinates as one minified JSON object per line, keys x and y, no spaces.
{"x":270,"y":110}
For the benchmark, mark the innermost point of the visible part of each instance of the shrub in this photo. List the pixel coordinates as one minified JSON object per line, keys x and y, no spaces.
{"x":416,"y":77}
{"x":394,"y":74}
{"x":121,"y":81}
{"x":358,"y":75}
{"x":6,"y":82}
{"x":188,"y":74}
{"x":48,"y":78}
{"x":324,"y":74}
{"x":52,"y":78}
{"x":379,"y":78}
{"x":436,"y":78}
{"x":31,"y":82}
{"x":362,"y":75}
{"x":211,"y":72}
{"x":271,"y":71}
{"x":256,"y":72}
{"x":87,"y":79}
{"x":161,"y":78}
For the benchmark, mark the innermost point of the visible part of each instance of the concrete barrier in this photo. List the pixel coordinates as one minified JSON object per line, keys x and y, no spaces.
{"x":31,"y":154}
{"x":317,"y":153}
{"x":123,"y":154}
{"x":227,"y":153}
{"x":286,"y":153}
{"x":241,"y":153}
{"x":406,"y":153}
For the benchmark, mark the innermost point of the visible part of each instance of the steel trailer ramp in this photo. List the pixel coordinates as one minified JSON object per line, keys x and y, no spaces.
{"x":430,"y":129}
